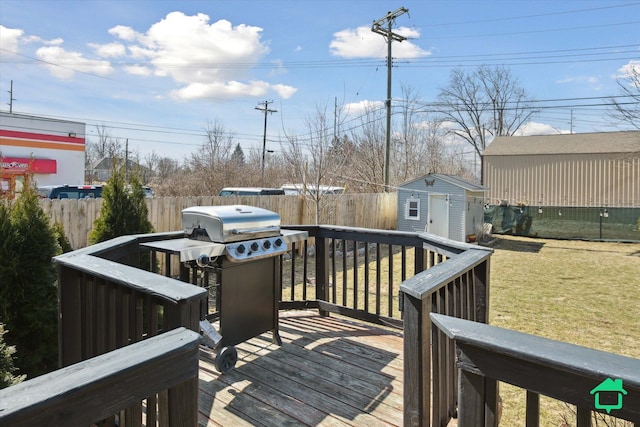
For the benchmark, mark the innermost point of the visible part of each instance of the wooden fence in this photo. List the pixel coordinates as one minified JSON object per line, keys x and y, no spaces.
{"x":376,"y":210}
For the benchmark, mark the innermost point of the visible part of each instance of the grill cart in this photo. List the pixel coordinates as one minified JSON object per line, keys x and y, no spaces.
{"x":235,"y":251}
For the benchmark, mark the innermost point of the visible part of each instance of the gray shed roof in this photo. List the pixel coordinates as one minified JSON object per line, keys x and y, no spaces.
{"x":577,"y":143}
{"x":451,"y":179}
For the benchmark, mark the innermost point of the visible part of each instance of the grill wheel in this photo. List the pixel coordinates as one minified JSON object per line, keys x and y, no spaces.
{"x":226,"y":359}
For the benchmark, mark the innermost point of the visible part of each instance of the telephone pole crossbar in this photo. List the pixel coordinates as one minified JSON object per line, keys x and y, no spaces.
{"x":390,"y":37}
{"x":266,"y":110}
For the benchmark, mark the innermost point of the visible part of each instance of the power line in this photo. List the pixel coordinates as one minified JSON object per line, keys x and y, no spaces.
{"x":539,"y":15}
{"x":351,"y":125}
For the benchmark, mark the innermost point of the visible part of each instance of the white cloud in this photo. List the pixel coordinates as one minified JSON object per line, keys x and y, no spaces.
{"x":139,"y":70}
{"x":362,"y":106}
{"x":224,"y":90}
{"x":592,"y":81}
{"x":124,"y":33}
{"x":208,"y":59}
{"x":534,"y":128}
{"x":363,"y":43}
{"x":284,"y":91}
{"x":109,"y":50}
{"x":63,"y":64}
{"x":230,"y":89}
{"x":55,"y":42}
{"x":9,"y":39}
{"x":629,"y":69}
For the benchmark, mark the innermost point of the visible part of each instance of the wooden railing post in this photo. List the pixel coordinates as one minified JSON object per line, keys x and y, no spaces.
{"x":417,"y":361}
{"x":471,"y":399}
{"x":69,"y":317}
{"x":183,"y":404}
{"x":481,"y":286}
{"x":322,"y":271}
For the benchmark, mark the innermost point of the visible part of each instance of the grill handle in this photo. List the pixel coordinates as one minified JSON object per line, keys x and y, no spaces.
{"x":254,"y":230}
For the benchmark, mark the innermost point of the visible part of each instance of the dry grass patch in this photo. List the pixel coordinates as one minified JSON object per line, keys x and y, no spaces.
{"x":585,"y":293}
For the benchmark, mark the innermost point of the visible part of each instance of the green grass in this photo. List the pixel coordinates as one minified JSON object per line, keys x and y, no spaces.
{"x":585,"y":293}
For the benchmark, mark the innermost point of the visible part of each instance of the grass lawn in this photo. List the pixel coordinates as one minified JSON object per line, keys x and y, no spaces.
{"x":585,"y":293}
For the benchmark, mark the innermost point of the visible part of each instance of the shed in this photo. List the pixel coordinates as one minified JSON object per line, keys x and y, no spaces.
{"x":445,"y":205}
{"x":583,"y":169}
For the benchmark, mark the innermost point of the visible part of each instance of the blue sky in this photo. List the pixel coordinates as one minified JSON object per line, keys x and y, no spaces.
{"x":157,"y":72}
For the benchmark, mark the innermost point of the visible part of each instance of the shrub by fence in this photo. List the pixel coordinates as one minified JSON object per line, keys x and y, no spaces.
{"x":376,"y":210}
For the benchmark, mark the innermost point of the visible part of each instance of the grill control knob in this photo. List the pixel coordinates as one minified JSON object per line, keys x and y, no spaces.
{"x":266,"y":244}
{"x":254,"y":246}
{"x":278,"y":242}
{"x":241,"y":249}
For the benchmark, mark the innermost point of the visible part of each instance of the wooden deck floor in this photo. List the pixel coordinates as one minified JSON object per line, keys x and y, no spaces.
{"x":329,"y":371}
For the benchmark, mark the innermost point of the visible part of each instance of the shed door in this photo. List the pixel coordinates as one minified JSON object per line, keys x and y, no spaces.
{"x":438,"y":215}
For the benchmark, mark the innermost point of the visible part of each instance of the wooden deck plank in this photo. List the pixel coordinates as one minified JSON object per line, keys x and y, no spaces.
{"x":329,"y":371}
{"x":275,"y":398}
{"x":305,"y":373}
{"x":352,"y":377}
{"x":367,"y":379}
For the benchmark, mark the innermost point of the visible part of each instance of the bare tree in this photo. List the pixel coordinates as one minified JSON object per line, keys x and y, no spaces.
{"x":421,"y":145}
{"x":366,"y":171}
{"x":626,"y":107}
{"x":104,"y":147}
{"x":206,"y":170}
{"x":317,"y":159}
{"x":217,"y":148}
{"x":486,"y":103}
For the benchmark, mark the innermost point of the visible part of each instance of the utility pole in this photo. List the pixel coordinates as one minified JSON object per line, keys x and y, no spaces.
{"x":11,"y":98}
{"x":571,"y":123}
{"x":389,"y":36}
{"x":266,"y":110}
{"x":126,"y":160}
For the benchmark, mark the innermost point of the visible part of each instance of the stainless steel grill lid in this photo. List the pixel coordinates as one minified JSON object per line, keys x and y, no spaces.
{"x":234,"y":223}
{"x":239,"y":232}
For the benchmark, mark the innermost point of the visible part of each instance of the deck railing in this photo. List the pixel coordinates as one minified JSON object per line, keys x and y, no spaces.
{"x":397,"y":279}
{"x":591,"y":380}
{"x":394,"y":278}
{"x":108,"y":302}
{"x":116,"y":382}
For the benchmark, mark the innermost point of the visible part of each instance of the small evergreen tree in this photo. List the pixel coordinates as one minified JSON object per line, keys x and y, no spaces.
{"x":7,"y":368}
{"x":124,"y":209}
{"x":62,"y":238}
{"x":28,"y":288}
{"x":237,"y":156}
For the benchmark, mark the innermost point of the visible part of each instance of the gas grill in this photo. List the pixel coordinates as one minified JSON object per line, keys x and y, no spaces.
{"x":238,"y":247}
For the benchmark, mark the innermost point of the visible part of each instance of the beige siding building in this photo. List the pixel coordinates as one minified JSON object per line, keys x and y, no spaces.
{"x":586,"y":170}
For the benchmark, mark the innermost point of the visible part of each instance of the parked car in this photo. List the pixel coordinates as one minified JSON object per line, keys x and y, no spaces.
{"x":148,"y":192}
{"x":70,"y":191}
{"x":251,"y":191}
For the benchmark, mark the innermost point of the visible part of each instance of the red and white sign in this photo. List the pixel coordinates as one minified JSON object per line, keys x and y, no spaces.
{"x":23,"y":165}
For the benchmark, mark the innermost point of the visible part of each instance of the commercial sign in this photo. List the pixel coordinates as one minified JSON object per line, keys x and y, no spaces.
{"x":19,"y":165}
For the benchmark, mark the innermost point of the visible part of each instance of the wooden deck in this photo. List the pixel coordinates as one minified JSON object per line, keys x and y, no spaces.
{"x":329,"y":371}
